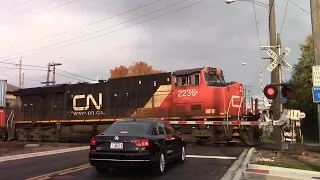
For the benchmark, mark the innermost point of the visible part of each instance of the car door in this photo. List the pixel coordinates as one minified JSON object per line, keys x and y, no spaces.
{"x":169,"y":148}
{"x":175,"y":141}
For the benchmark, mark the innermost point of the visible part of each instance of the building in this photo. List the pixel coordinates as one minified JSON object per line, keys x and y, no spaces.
{"x":11,"y":100}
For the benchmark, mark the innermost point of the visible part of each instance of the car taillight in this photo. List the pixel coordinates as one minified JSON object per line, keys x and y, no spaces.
{"x":141,"y":142}
{"x":169,"y":137}
{"x":93,"y":142}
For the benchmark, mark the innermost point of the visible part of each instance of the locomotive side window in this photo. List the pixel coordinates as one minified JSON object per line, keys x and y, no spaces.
{"x":187,"y":80}
{"x":197,"y":79}
{"x":194,"y":80}
{"x":184,"y":80}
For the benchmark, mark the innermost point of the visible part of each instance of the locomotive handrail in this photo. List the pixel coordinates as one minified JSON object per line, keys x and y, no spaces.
{"x":240,"y":107}
{"x":7,"y":123}
{"x":11,"y":124}
{"x":229,"y":109}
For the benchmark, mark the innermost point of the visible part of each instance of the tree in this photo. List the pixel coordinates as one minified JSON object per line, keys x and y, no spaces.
{"x":301,"y":80}
{"x":136,"y":69}
{"x":120,"y":71}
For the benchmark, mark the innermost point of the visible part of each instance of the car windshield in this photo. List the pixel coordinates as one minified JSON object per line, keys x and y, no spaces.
{"x":128,"y":128}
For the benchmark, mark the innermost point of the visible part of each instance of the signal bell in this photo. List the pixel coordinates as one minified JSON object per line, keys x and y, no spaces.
{"x":270,"y":91}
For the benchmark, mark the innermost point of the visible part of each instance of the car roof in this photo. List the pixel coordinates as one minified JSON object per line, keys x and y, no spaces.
{"x":150,"y":121}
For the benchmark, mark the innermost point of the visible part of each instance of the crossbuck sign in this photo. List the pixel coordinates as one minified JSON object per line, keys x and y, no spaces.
{"x":278,"y":60}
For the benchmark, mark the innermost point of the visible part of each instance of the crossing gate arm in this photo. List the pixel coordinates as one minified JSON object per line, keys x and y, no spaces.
{"x":246,"y":123}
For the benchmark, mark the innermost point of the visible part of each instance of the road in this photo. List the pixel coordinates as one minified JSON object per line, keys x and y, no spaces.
{"x":204,"y":162}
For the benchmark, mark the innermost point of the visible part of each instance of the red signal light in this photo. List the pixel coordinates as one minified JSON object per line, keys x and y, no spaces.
{"x":270,"y":91}
{"x":286,"y":91}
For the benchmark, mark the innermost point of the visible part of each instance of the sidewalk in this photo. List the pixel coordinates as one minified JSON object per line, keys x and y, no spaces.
{"x":262,"y":172}
{"x":251,"y":171}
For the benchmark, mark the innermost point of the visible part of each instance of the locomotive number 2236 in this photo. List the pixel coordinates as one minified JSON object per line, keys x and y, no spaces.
{"x":187,"y":92}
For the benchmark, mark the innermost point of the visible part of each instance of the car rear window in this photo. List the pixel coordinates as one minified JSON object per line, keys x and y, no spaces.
{"x":128,"y":128}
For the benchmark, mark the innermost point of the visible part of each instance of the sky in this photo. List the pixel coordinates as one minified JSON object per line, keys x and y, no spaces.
{"x":90,"y":37}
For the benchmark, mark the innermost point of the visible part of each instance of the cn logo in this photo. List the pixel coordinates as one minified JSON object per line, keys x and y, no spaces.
{"x":88,"y":98}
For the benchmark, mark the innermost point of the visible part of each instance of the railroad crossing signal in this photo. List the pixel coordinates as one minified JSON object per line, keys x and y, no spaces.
{"x":278,"y":60}
{"x":286,"y":91}
{"x":271,"y":91}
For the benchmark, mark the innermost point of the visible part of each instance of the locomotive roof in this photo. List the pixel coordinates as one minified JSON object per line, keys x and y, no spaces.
{"x":187,"y":71}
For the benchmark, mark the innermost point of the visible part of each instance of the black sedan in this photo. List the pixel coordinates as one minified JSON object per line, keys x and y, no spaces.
{"x":137,"y":143}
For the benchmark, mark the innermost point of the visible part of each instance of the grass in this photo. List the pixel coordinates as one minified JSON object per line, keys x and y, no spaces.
{"x":266,"y":138}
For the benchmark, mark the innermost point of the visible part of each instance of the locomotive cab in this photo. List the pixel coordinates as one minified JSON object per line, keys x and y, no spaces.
{"x":204,"y":92}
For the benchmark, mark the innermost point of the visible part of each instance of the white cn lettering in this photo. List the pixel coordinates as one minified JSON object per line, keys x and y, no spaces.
{"x":89,"y":97}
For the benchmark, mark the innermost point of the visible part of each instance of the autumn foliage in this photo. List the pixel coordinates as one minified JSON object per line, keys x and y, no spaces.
{"x":137,"y":68}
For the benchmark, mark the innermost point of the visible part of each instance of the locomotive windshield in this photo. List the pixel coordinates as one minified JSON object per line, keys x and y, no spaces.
{"x":212,"y":79}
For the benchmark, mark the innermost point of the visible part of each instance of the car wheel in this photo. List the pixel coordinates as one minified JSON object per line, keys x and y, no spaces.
{"x":182,"y":157}
{"x":102,"y":170}
{"x":160,"y":165}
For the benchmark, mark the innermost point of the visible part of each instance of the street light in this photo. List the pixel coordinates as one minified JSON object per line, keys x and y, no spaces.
{"x":253,"y":1}
{"x":244,"y":64}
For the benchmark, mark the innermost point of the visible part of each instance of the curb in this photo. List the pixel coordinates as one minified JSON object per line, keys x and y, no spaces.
{"x":235,"y":172}
{"x":242,"y":168}
{"x":257,"y":171}
{"x":43,"y":153}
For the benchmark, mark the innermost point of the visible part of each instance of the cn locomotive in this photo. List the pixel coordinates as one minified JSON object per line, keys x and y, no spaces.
{"x":197,"y":102}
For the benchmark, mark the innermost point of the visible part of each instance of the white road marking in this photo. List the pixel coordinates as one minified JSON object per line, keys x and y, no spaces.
{"x":210,"y":157}
{"x":43,"y":153}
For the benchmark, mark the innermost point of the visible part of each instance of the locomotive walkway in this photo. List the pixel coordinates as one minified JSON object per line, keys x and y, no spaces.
{"x":204,"y":162}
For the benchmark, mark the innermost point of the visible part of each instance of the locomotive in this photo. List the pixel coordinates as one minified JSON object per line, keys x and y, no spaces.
{"x":197,"y":102}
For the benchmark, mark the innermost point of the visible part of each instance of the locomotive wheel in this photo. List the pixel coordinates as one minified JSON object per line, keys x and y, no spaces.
{"x":251,"y":136}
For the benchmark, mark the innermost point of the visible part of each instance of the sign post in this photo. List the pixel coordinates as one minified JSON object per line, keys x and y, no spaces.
{"x":316,"y":90}
{"x":278,"y":60}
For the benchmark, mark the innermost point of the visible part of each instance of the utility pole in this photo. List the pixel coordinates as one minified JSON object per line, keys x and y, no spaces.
{"x":315,"y":21}
{"x":275,"y":73}
{"x":22,"y":84}
{"x":20,"y":70}
{"x":54,"y":72}
{"x":48,"y":76}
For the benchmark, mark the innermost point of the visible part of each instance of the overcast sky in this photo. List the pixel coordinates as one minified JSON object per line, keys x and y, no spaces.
{"x":210,"y":33}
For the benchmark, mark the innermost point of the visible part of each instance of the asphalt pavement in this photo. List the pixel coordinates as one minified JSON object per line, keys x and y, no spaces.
{"x":204,"y":162}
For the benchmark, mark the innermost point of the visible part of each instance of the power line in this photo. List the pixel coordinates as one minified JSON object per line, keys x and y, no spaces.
{"x":16,"y":6}
{"x":69,"y":77}
{"x":75,"y":74}
{"x":284,"y":16}
{"x":300,"y":7}
{"x":110,"y":31}
{"x":27,"y":10}
{"x":22,"y":69}
{"x":23,"y":64}
{"x":257,"y":31}
{"x":97,"y":30}
{"x":116,"y":31}
{"x":80,"y":27}
{"x":46,"y":10}
{"x":18,"y":77}
{"x":28,"y":65}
